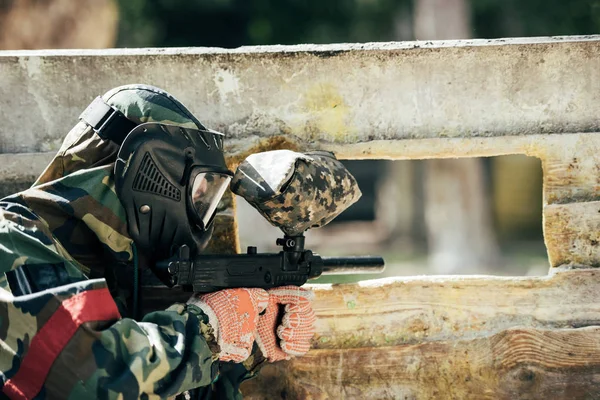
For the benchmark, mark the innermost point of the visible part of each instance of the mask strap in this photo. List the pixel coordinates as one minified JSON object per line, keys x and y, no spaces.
{"x":108,"y":122}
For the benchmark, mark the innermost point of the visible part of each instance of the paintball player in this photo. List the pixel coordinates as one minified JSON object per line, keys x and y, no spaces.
{"x":74,"y":247}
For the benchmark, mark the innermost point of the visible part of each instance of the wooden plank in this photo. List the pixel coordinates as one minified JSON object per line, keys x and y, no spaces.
{"x":519,"y":363}
{"x":411,"y":310}
{"x":573,"y":233}
{"x":449,"y":337}
{"x":571,"y":165}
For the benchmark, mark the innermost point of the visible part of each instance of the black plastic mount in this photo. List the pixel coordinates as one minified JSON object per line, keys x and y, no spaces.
{"x":293,"y":248}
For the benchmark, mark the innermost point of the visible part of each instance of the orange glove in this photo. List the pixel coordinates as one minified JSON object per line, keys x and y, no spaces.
{"x":297,"y":323}
{"x":233,"y":314}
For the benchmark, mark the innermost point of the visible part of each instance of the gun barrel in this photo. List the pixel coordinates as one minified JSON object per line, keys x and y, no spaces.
{"x":353,"y":265}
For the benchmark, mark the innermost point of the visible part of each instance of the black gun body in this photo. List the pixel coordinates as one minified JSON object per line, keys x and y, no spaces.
{"x":215,"y":272}
{"x":293,"y":266}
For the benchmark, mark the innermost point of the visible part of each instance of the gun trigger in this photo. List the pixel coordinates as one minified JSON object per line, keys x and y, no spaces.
{"x":184,"y":253}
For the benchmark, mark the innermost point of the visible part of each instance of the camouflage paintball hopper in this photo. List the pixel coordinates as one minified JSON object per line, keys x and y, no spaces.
{"x":296,"y":191}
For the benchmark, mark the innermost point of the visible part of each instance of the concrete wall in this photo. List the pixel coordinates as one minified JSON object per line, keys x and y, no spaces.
{"x":334,"y":93}
{"x":405,"y":100}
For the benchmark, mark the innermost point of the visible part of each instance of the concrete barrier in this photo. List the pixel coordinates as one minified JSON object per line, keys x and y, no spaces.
{"x":347,"y":93}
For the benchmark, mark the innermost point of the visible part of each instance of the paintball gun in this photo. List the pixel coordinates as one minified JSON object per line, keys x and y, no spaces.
{"x":294,"y":192}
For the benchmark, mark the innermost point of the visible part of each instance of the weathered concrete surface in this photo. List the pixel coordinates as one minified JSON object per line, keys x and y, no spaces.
{"x":19,"y":171}
{"x":332,"y":93}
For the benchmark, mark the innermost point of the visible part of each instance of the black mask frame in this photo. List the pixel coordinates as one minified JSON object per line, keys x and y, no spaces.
{"x":152,"y":178}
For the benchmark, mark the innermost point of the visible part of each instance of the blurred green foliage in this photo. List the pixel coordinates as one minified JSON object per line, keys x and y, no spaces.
{"x":233,"y":23}
{"x":505,"y":18}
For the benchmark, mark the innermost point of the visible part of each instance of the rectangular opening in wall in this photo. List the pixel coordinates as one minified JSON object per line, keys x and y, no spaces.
{"x":442,"y":217}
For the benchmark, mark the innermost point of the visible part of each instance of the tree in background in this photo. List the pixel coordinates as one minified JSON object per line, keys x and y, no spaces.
{"x":458,"y":214}
{"x":52,"y":24}
{"x":516,"y":18}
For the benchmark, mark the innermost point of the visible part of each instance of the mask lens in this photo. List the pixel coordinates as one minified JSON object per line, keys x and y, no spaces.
{"x":207,"y":190}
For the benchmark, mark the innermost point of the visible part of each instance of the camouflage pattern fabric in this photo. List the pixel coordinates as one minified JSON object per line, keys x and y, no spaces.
{"x":295,"y":191}
{"x":83,"y":148}
{"x":66,"y":327}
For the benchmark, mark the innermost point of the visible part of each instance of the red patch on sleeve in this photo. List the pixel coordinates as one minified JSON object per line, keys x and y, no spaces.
{"x":46,"y":345}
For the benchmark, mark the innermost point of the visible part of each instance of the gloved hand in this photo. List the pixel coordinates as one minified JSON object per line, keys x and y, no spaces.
{"x":292,"y":336}
{"x":233,"y":315}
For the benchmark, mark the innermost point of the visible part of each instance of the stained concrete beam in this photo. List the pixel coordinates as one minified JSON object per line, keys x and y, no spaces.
{"x":346,"y":93}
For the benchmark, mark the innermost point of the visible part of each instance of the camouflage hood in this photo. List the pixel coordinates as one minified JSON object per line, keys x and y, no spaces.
{"x":75,"y":194}
{"x":83,"y":149}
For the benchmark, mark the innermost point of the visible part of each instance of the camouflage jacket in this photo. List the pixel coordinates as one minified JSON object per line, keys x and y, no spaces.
{"x":65,"y":324}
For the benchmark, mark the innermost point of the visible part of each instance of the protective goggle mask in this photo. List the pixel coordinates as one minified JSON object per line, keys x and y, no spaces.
{"x":206,"y":191}
{"x":170,"y":181}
